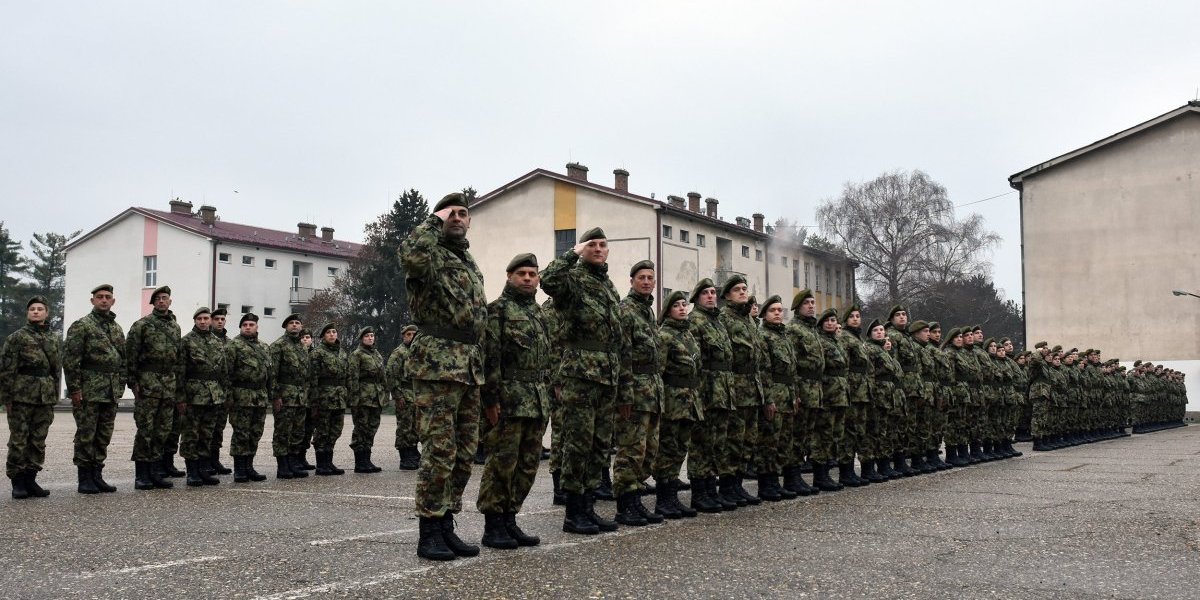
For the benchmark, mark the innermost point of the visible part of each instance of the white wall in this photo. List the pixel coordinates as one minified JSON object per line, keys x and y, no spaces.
{"x":522,"y":220}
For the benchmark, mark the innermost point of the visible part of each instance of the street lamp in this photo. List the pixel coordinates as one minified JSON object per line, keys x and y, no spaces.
{"x":1181,"y":293}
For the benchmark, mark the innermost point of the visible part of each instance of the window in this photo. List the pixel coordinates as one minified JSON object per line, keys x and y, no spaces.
{"x":806,"y":270}
{"x":666,"y":232}
{"x":248,"y":261}
{"x":838,"y":282}
{"x":828,"y":278}
{"x":333,"y":271}
{"x":268,"y":312}
{"x":783,"y":260}
{"x":795,"y":274}
{"x":745,"y":251}
{"x":684,"y":236}
{"x":224,"y":305}
{"x":817,"y":280}
{"x":247,"y":308}
{"x":269,"y":263}
{"x":700,"y":239}
{"x":150,"y":263}
{"x":223,"y":257}
{"x":758,"y":255}
{"x":564,"y":240}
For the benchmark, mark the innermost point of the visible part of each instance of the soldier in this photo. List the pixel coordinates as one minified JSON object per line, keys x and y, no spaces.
{"x":220,"y":413}
{"x":368,"y":394}
{"x":858,"y":389}
{"x":986,"y":399}
{"x":445,"y":291}
{"x":152,"y":357}
{"x":710,"y":437}
{"x":400,"y":386}
{"x":911,"y":385}
{"x":516,"y":399}
{"x":94,"y":364}
{"x":783,"y":392}
{"x":553,"y":328}
{"x":810,"y":365}
{"x":829,"y":428}
{"x":750,"y":365}
{"x":942,"y":382}
{"x":958,"y":426}
{"x":639,"y":403}
{"x":301,"y":449}
{"x":250,"y":371}
{"x":595,"y":360}
{"x":30,"y":367}
{"x":327,"y":385}
{"x":887,"y":399}
{"x":201,"y":388}
{"x":289,"y":365}
{"x":680,"y":357}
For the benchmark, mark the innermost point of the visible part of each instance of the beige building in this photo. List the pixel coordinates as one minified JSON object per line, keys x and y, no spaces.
{"x":1108,"y":231}
{"x":543,"y":212}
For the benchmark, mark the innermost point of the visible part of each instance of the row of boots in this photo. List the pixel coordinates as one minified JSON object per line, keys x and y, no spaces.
{"x":25,"y":485}
{"x":1156,"y":426}
{"x":1054,"y":442}
{"x":438,"y":541}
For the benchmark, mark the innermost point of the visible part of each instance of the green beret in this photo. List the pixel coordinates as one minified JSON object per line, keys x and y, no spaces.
{"x":247,"y":317}
{"x":874,"y":323}
{"x":594,"y":233}
{"x":1137,"y":363}
{"x":38,"y":300}
{"x":916,"y":326}
{"x":988,"y":342}
{"x":639,"y":265}
{"x":365,"y":331}
{"x":104,"y":287}
{"x":853,"y":307}
{"x":1041,"y":345}
{"x":1056,"y":349}
{"x":292,"y":317}
{"x":221,"y":312}
{"x":203,"y":310}
{"x":701,"y":285}
{"x":304,"y":332}
{"x":166,"y":289}
{"x":729,"y":283}
{"x":976,"y":328}
{"x":895,"y":309}
{"x":408,"y":328}
{"x":772,"y":300}
{"x":799,"y":298}
{"x":675,"y":296}
{"x":949,"y":335}
{"x":521,"y":260}
{"x":1088,"y":351}
{"x":327,"y":327}
{"x":1073,"y":351}
{"x":935,"y":326}
{"x":1004,"y":340}
{"x":825,"y":316}
{"x":454,"y":199}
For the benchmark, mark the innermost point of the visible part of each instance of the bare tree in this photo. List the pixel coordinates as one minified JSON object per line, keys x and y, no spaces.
{"x":959,"y":251}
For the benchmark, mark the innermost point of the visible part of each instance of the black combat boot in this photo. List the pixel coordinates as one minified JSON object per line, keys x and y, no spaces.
{"x":193,"y":473}
{"x":855,"y":477}
{"x":604,"y":491}
{"x":1040,"y":445}
{"x":329,"y":466}
{"x":31,"y":484}
{"x":650,"y":516}
{"x":768,"y":488}
{"x":560,"y":497}
{"x":589,"y":511}
{"x":19,"y":489}
{"x":239,"y":470}
{"x":360,"y":462}
{"x":727,"y":492}
{"x":453,"y":542}
{"x":296,"y":464}
{"x":480,"y":455}
{"x":431,"y":544}
{"x":884,"y":467}
{"x":684,"y":510}
{"x":167,"y":466}
{"x":574,"y":520}
{"x":1013,"y":452}
{"x":933,"y":458}
{"x":215,"y":461}
{"x":141,"y":476}
{"x":957,"y":455}
{"x":515,"y":532}
{"x":792,"y":480}
{"x":918,"y":464}
{"x":976,"y":455}
{"x":157,"y":476}
{"x":750,"y":499}
{"x":714,"y":494}
{"x":410,"y":459}
{"x":821,"y":478}
{"x":371,"y":464}
{"x":626,"y":513}
{"x":930,"y":463}
{"x":701,"y":500}
{"x":101,"y":484}
{"x":254,"y":475}
{"x":902,"y":466}
{"x":663,"y":504}
{"x":870,"y":473}
{"x":846,"y":475}
{"x":283,"y":467}
{"x":495,"y":534}
{"x":87,"y":485}
{"x":682,"y":486}
{"x":302,"y":460}
{"x":951,"y":452}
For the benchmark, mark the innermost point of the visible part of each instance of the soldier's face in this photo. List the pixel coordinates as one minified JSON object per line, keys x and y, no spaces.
{"x":368,"y":340}
{"x":162,"y":302}
{"x":754,"y":309}
{"x":306,"y":340}
{"x":854,"y":320}
{"x":643,"y":282}
{"x":103,"y":300}
{"x":887,"y":345}
{"x":1021,"y":360}
{"x":708,"y":297}
{"x":218,"y":322}
{"x":978,"y":336}
{"x":679,"y":310}
{"x":595,"y":252}
{"x":922,"y":335}
{"x":202,"y":322}
{"x":293,"y":326}
{"x":878,"y":333}
{"x":1008,"y":346}
{"x":808,"y":308}
{"x":935,"y":336}
{"x":900,"y":319}
{"x":830,"y":325}
{"x":408,"y":336}
{"x":248,"y":328}
{"x":37,"y":312}
{"x":738,"y":294}
{"x":991,"y":348}
{"x":330,"y":336}
{"x":774,"y":314}
{"x":957,"y":341}
{"x":525,"y":279}
{"x":457,"y":223}
{"x":1001,"y":352}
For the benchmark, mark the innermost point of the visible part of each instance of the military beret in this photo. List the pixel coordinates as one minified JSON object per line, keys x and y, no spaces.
{"x":934,"y":325}
{"x":292,"y":317}
{"x":203,"y":310}
{"x":222,"y":312}
{"x":1056,"y":348}
{"x":365,"y":330}
{"x":408,"y":328}
{"x":917,"y":325}
{"x":247,"y":317}
{"x":953,"y":333}
{"x":38,"y":300}
{"x":453,"y":199}
{"x":594,"y":233}
{"x":521,"y":260}
{"x":830,"y":313}
{"x":1073,"y":351}
{"x":675,"y":296}
{"x":1137,"y":363}
{"x":729,"y":283}
{"x":104,"y":287}
{"x":1004,"y":340}
{"x":850,"y":309}
{"x":874,"y":323}
{"x":1087,"y":352}
{"x":799,"y":298}
{"x":1040,"y":345}
{"x":989,"y":342}
{"x":701,"y":285}
{"x":772,"y":300}
{"x":327,"y":327}
{"x":166,"y":289}
{"x":304,"y":332}
{"x":639,"y":265}
{"x":895,"y":309}
{"x":976,"y":328}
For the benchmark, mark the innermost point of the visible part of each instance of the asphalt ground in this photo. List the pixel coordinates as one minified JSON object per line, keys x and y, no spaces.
{"x":1115,"y":519}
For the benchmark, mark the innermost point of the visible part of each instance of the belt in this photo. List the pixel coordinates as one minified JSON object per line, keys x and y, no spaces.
{"x":330,"y":381}
{"x":679,"y":381}
{"x":645,"y":368}
{"x":454,"y":334}
{"x":198,"y":376}
{"x":810,"y":374}
{"x":248,"y":385}
{"x":34,"y":371}
{"x":590,"y":345}
{"x":370,"y":379}
{"x":157,"y":368}
{"x":99,"y":368}
{"x":526,"y":375}
{"x":723,"y":366}
{"x":744,"y":368}
{"x":783,"y":378}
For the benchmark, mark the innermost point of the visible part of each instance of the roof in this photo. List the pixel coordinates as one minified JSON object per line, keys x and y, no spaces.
{"x":236,"y":233}
{"x":1192,"y":107}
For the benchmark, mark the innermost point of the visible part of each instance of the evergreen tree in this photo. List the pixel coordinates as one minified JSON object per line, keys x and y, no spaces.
{"x":49,"y":269}
{"x":13,"y":293}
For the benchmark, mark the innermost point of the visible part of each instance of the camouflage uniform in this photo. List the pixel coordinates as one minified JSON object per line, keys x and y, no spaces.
{"x":829,"y":433}
{"x":887,"y":401}
{"x":220,"y":411}
{"x":289,"y":361}
{"x":751,"y":365}
{"x":94,"y":364}
{"x":858,"y":437}
{"x":368,"y":394}
{"x":250,"y":383}
{"x":327,"y":381}
{"x":201,"y":387}
{"x":682,"y":404}
{"x":781,"y":388}
{"x":401,"y":388}
{"x":810,"y":367}
{"x":30,"y":367}
{"x":709,"y":438}
{"x":637,"y":437}
{"x":911,"y":383}
{"x":152,"y":357}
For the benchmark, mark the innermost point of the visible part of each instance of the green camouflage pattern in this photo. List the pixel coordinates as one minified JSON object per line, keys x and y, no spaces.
{"x":715,"y":349}
{"x":248,"y":423}
{"x":204,"y":372}
{"x":401,"y":389}
{"x":94,"y":358}
{"x":28,"y":426}
{"x":93,"y":431}
{"x":644,"y":391}
{"x":595,"y":348}
{"x":30,"y":366}
{"x":290,"y":365}
{"x":250,"y":370}
{"x":448,"y":420}
{"x":680,"y":356}
{"x":328,"y":376}
{"x":517,"y":357}
{"x":366,"y":424}
{"x":367,"y":378}
{"x":514,"y":448}
{"x":152,"y":355}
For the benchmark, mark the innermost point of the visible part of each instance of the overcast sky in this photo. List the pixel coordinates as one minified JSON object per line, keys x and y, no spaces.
{"x":326,"y":111}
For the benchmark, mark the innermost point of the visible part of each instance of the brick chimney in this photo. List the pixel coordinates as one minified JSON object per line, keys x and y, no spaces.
{"x":711,"y":203}
{"x":179,"y":207}
{"x":758,"y":221}
{"x":577,"y":171}
{"x":327,"y":234}
{"x":675,"y":201}
{"x":694,"y":201}
{"x":208,"y":214}
{"x":621,"y":180}
{"x":306,"y":230}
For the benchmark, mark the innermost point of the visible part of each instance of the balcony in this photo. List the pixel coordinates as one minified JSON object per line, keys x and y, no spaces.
{"x":300,"y":296}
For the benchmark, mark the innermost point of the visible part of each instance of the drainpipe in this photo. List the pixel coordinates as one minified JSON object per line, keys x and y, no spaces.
{"x":658,"y":211}
{"x":213,"y":300}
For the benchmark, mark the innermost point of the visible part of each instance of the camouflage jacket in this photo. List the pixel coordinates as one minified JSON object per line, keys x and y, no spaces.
{"x":751,"y":365}
{"x":858,"y":382}
{"x":910,"y":357}
{"x":30,"y":366}
{"x":781,"y":387}
{"x":810,"y":359}
{"x":398,"y":382}
{"x":289,"y":370}
{"x":94,"y":358}
{"x":367,"y":378}
{"x":203,"y":368}
{"x":837,"y":367}
{"x":645,"y":389}
{"x":328,"y":376}
{"x":152,"y":355}
{"x":445,"y":296}
{"x":1039,"y":378}
{"x":716,"y":358}
{"x":885,"y":377}
{"x":517,"y":357}
{"x":930,"y":378}
{"x":250,"y":369}
{"x":988,"y":375}
{"x":682,"y":379}
{"x":594,"y":346}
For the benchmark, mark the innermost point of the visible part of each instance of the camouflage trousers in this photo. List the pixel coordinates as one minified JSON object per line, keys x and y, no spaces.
{"x":588,"y":411}
{"x":674,"y":437}
{"x":514,"y":448}
{"x":708,"y":443}
{"x":856,"y":440}
{"x":155,"y":418}
{"x":893,"y":431}
{"x":248,"y":423}
{"x":327,"y":427}
{"x":366,"y":423}
{"x":406,"y":424}
{"x":171,"y":440}
{"x":196,"y":426}
{"x":306,"y":432}
{"x":916,"y":425}
{"x":829,"y":432}
{"x":738,"y":453}
{"x":288,"y":434}
{"x":637,"y":445}
{"x":775,"y":440}
{"x":556,"y":417}
{"x":28,"y":425}
{"x":220,"y":418}
{"x":448,"y":420}
{"x":873,"y":441}
{"x":93,"y":432}
{"x":937,"y":423}
{"x":802,"y":421}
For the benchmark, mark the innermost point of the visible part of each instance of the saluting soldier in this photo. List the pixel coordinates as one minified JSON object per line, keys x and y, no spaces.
{"x":327,"y":384}
{"x":220,"y":413}
{"x":682,"y":407}
{"x":368,"y":394}
{"x":400,"y":386}
{"x":289,"y":366}
{"x":249,"y":396}
{"x":201,"y":388}
{"x":30,"y":368}
{"x":94,"y":364}
{"x":152,"y":357}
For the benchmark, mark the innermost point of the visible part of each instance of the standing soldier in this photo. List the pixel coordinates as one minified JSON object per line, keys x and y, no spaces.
{"x":810,"y":366}
{"x":595,"y":360}
{"x":516,"y":399}
{"x":250,"y":369}
{"x":922,"y":403}
{"x":830,"y":422}
{"x":300,"y":451}
{"x":942,"y":383}
{"x":639,"y":404}
{"x":368,"y":394}
{"x":709,"y":438}
{"x":681,"y":410}
{"x":749,"y":366}
{"x":200,"y":391}
{"x":887,"y":399}
{"x":782,"y":392}
{"x":445,"y":291}
{"x":400,"y":386}
{"x":94,"y":364}
{"x":327,"y":380}
{"x":152,"y":357}
{"x":289,"y":365}
{"x":958,"y":421}
{"x":858,"y":437}
{"x":30,"y":368}
{"x":220,"y":413}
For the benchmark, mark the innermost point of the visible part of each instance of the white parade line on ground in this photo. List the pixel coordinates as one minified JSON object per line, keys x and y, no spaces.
{"x":151,"y":567}
{"x":334,"y":494}
{"x":361,"y":536}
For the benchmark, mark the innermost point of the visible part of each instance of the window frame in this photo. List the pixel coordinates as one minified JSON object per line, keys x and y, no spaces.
{"x":150,"y":271}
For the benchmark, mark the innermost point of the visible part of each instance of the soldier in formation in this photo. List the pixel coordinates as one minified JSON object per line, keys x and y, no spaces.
{"x":30,"y":366}
{"x":367,"y":384}
{"x":248,"y":397}
{"x":400,"y":386}
{"x":204,"y":377}
{"x":94,"y":365}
